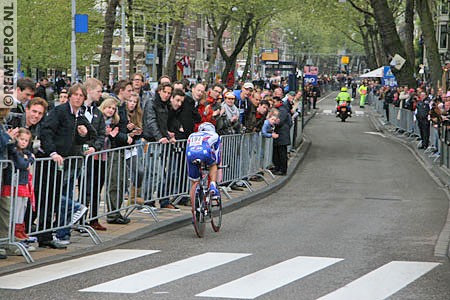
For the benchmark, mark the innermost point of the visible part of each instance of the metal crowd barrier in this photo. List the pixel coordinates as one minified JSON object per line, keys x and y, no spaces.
{"x":120,"y":180}
{"x":404,"y":122}
{"x":8,"y":210}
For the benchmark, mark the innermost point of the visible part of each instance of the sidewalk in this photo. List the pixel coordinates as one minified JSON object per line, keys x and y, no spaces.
{"x":441,"y":175}
{"x":143,"y":225}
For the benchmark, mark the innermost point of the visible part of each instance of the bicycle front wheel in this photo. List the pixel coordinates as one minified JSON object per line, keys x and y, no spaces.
{"x":216,"y":213}
{"x":198,"y":217}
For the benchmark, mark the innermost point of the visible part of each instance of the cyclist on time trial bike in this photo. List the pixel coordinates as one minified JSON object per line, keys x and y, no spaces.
{"x":204,"y":145}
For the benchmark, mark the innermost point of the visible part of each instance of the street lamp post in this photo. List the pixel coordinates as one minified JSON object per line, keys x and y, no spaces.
{"x":73,"y":44}
{"x":124,"y":35}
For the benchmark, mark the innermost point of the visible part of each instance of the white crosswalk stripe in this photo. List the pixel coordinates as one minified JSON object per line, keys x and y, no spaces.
{"x":49,"y":273}
{"x":378,"y":284}
{"x":382,"y":282}
{"x":150,"y":278}
{"x":271,"y":278}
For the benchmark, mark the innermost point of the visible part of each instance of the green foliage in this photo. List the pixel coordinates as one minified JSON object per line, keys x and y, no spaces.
{"x":324,"y":26}
{"x":44,"y":33}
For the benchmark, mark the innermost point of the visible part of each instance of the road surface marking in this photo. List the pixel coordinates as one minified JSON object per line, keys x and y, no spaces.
{"x":375,"y":133}
{"x":153,"y":277}
{"x":382,"y":282}
{"x":48,"y":273}
{"x":271,"y":278}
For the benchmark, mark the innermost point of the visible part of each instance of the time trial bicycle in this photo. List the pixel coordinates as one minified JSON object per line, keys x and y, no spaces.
{"x":206,"y":208}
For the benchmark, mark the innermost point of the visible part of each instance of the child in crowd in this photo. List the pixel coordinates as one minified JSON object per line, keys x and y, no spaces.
{"x":6,"y":136}
{"x":22,"y":159}
{"x":269,"y":124}
{"x":109,"y":111}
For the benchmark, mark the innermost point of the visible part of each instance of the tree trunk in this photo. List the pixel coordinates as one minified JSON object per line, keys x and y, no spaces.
{"x":429,"y":36}
{"x":409,"y":31}
{"x":130,"y":30}
{"x":230,"y":60}
{"x":170,"y":68}
{"x":105,"y":58}
{"x":250,"y":45}
{"x":217,"y":33}
{"x":391,"y":41}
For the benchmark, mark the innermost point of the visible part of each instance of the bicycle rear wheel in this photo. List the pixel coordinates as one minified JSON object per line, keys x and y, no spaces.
{"x":216,"y":213}
{"x":198,"y":216}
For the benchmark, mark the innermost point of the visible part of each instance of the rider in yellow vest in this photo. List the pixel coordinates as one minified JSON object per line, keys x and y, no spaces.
{"x":362,"y":94}
{"x":344,"y":97}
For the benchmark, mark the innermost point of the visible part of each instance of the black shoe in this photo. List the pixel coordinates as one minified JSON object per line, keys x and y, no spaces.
{"x":279,"y":173}
{"x":256,"y":178}
{"x":185,"y":201}
{"x":119,"y":220}
{"x":52,"y":244}
{"x":236,"y":188}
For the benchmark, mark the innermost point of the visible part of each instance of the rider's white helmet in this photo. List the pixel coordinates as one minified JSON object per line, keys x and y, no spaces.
{"x":206,"y":126}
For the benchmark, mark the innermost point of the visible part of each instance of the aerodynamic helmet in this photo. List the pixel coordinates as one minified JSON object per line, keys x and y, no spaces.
{"x":206,"y":126}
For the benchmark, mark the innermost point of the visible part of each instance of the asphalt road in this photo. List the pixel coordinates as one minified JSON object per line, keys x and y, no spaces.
{"x":360,"y":212}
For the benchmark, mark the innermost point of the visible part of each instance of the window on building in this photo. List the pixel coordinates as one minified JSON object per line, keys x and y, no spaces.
{"x":443,"y":36}
{"x":444,"y":7}
{"x":139,"y":25}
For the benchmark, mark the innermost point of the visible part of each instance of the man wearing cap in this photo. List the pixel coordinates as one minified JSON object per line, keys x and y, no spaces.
{"x":242,"y":100}
{"x":288,"y":101}
{"x":63,"y":96}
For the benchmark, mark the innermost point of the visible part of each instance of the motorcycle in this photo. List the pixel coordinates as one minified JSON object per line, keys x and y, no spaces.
{"x":343,"y":112}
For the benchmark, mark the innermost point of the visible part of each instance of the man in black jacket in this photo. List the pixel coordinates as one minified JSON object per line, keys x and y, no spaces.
{"x":156,"y":115}
{"x":279,"y":157}
{"x":63,"y":133}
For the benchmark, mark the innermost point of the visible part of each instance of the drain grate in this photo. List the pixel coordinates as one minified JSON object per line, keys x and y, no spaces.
{"x":383,"y":198}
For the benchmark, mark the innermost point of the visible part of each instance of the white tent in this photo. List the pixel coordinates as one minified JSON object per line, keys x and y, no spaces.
{"x":375,"y":73}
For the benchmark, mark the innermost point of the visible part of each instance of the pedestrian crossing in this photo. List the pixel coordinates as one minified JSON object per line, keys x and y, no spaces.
{"x":378,"y":284}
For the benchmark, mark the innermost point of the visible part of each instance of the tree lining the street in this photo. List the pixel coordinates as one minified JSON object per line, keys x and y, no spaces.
{"x":44,"y":34}
{"x":320,"y":26}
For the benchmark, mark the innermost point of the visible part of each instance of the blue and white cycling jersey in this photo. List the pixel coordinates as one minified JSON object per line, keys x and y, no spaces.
{"x":203,"y":145}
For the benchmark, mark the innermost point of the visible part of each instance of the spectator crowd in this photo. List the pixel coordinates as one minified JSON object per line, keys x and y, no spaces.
{"x":52,"y":123}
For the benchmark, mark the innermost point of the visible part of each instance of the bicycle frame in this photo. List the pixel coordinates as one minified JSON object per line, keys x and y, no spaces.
{"x":203,"y":205}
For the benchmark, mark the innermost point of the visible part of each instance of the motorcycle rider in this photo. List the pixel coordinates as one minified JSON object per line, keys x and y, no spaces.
{"x":344,"y":97}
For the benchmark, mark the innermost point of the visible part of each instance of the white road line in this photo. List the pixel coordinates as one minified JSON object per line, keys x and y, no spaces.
{"x":273,"y":277}
{"x":45,"y":274}
{"x":375,"y":133}
{"x":150,"y":278}
{"x":382,"y":282}
{"x":323,"y":98}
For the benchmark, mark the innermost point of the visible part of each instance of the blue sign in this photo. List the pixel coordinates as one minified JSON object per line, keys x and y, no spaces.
{"x":389,"y":77}
{"x":149,"y":58}
{"x":81,"y":23}
{"x":310,"y":79}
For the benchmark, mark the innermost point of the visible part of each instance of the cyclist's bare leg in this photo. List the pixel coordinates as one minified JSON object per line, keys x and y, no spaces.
{"x":213,"y":173}
{"x":192,"y":194}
